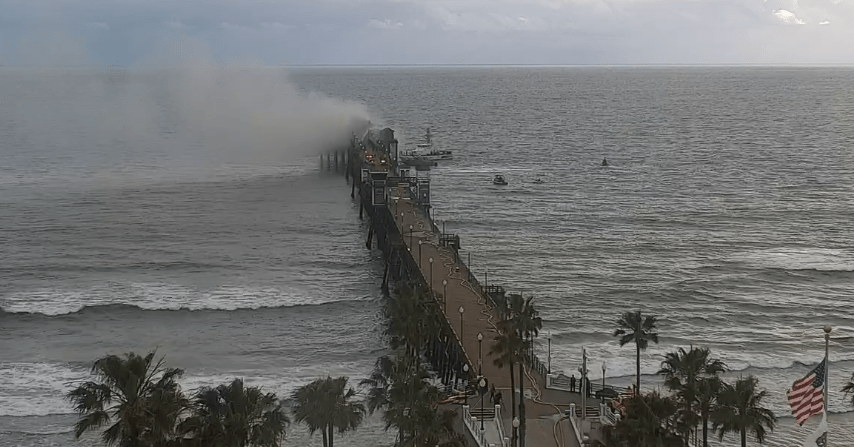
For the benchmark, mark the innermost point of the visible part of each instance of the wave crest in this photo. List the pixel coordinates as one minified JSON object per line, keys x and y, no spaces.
{"x":155,"y":297}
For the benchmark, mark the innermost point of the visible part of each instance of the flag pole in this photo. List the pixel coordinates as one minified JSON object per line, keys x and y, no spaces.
{"x":827,"y":330}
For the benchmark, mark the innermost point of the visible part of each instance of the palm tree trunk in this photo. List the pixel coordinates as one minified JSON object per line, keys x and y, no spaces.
{"x":325,"y":441}
{"x":705,"y":432}
{"x":743,"y":437}
{"x":637,"y":390}
{"x":512,"y":405}
{"x":331,"y":430}
{"x":521,"y":406}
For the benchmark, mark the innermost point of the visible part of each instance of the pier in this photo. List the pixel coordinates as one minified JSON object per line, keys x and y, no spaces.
{"x":396,"y":199}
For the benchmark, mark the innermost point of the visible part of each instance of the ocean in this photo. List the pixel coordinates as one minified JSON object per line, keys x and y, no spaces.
{"x":186,"y":212}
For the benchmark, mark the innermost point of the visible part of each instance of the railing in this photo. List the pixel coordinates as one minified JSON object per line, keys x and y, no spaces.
{"x":573,"y":419}
{"x":471,"y":424}
{"x":538,"y":366}
{"x":606,"y":416}
{"x":558,"y":382}
{"x":505,"y":441}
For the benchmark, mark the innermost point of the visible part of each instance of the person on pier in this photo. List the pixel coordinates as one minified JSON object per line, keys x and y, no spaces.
{"x":572,"y":383}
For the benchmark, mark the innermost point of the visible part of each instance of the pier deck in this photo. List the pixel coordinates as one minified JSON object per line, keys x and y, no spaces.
{"x":545,"y":406}
{"x":398,"y":204}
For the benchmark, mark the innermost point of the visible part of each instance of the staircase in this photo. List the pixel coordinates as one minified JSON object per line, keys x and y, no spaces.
{"x":486,"y":413}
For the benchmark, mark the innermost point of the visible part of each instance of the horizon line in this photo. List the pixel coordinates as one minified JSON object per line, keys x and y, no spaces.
{"x":653,"y":65}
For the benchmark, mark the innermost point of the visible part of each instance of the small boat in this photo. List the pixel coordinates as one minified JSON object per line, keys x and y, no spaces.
{"x":417,"y":161}
{"x":499,"y":180}
{"x":538,"y":180}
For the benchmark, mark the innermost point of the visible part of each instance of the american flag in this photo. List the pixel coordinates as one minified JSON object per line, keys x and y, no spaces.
{"x":807,"y":394}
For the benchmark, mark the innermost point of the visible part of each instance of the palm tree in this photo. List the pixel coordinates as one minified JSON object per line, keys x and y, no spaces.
{"x":510,"y":348}
{"x":683,"y":372}
{"x":380,"y":380}
{"x":434,"y":428}
{"x":138,"y":396}
{"x":233,"y":415}
{"x":739,"y":410}
{"x":708,"y":390}
{"x":403,"y":390}
{"x":651,"y":421}
{"x":526,"y":322}
{"x":325,"y":405}
{"x":634,"y":327}
{"x":410,"y":320}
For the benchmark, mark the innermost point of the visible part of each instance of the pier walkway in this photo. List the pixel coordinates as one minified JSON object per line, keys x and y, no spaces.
{"x":469,"y":312}
{"x":398,"y":203}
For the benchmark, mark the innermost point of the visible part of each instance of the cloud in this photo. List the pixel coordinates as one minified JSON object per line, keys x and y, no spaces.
{"x":99,"y":26}
{"x":824,"y":23}
{"x":232,"y":27}
{"x":787,"y":17}
{"x":448,"y":31}
{"x":276,"y":26}
{"x":385,"y":24}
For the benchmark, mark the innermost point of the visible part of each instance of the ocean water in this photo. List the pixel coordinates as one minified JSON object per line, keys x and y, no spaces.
{"x":130,"y":222}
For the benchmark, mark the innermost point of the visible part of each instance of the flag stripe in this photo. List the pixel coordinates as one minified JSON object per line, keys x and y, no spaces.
{"x":807,"y":394}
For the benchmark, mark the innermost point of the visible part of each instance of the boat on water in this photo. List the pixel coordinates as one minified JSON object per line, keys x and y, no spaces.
{"x":425,"y":150}
{"x":418,"y":162}
{"x":499,"y":180}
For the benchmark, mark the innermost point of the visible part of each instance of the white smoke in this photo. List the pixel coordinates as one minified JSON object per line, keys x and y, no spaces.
{"x":176,"y":106}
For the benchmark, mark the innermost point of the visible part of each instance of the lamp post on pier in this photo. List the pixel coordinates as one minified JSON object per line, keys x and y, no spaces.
{"x":430,"y":260}
{"x":462,"y":309}
{"x":465,"y":387}
{"x":445,"y":296}
{"x":420,"y":243}
{"x":550,"y":352}
{"x":479,"y":353}
{"x":410,"y":236}
{"x":827,"y":330}
{"x":603,"y":382}
{"x":482,"y":385}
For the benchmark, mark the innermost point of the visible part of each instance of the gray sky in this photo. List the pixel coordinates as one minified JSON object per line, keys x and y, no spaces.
{"x":294,"y":32}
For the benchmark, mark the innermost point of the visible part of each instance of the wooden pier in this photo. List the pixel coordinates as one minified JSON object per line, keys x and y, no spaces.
{"x":418,"y":253}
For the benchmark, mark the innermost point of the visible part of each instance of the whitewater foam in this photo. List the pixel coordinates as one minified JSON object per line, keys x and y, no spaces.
{"x":159,"y":296}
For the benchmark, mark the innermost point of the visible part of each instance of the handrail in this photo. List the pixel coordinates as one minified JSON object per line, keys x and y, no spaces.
{"x":606,"y":416}
{"x":573,"y":419}
{"x":500,"y":423}
{"x":471,"y":424}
